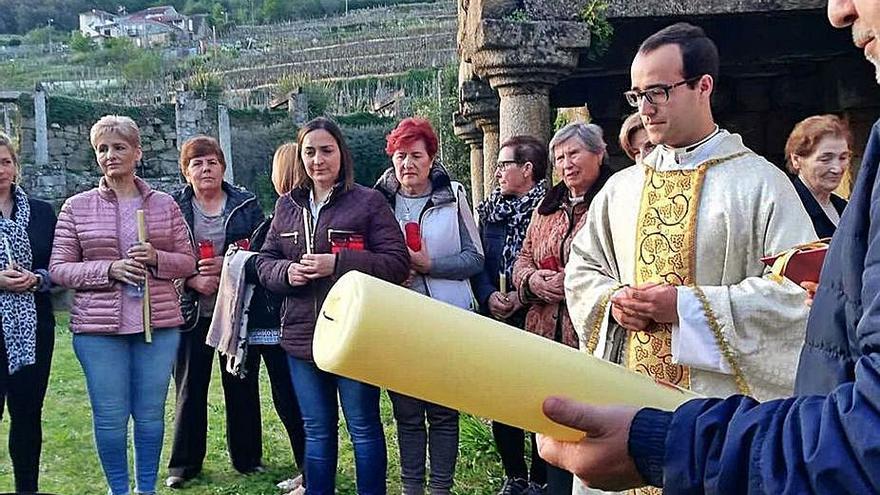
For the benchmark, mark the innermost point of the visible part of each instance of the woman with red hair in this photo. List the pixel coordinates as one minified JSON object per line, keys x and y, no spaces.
{"x":445,"y":251}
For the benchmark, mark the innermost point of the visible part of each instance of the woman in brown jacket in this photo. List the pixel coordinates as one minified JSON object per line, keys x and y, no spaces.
{"x":578,"y":152}
{"x":350,"y":228}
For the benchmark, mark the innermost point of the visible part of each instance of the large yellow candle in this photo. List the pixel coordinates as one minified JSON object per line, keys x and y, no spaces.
{"x":395,"y":338}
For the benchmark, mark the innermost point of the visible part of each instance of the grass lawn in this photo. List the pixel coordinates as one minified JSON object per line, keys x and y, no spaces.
{"x":70,"y":466}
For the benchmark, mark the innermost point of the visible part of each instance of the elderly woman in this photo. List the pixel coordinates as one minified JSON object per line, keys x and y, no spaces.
{"x":218,"y":214}
{"x":26,"y":318}
{"x":445,"y":251}
{"x":504,"y":218}
{"x":634,"y":138}
{"x":578,"y":152}
{"x":818,"y":153}
{"x":97,"y":254}
{"x":350,"y":228}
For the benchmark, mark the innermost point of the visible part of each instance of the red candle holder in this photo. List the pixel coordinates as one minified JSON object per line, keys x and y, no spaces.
{"x":413,"y":233}
{"x":206,"y":249}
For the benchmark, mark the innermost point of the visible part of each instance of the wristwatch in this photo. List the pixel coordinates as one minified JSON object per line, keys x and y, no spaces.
{"x":37,"y":283}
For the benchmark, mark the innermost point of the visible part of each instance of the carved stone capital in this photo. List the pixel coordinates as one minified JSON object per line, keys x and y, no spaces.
{"x":526,"y":57}
{"x":466,"y":130}
{"x":479,"y":103}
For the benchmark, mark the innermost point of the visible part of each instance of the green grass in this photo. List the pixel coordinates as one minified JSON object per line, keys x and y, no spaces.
{"x":70,"y":466}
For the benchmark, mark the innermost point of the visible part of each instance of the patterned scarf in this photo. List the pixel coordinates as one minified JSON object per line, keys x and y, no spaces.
{"x":515,"y":213}
{"x":18,"y":311}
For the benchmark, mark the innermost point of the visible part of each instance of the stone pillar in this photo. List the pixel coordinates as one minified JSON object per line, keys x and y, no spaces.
{"x":490,"y":154}
{"x":479,"y":104}
{"x":298,"y":106}
{"x":523,"y":112}
{"x":41,"y":131}
{"x":225,"y":138}
{"x":468,"y":132}
{"x":191,"y":116}
{"x":7,"y":123}
{"x":523,"y":60}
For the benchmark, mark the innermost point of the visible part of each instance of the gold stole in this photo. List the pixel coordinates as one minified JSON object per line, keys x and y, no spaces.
{"x":666,"y":236}
{"x":666,"y":253}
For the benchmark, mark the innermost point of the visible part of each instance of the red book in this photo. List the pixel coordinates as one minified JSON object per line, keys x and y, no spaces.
{"x":803,"y":266}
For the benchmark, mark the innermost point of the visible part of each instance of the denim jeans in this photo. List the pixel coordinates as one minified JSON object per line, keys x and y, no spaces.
{"x":316,"y":392}
{"x":128,"y":378}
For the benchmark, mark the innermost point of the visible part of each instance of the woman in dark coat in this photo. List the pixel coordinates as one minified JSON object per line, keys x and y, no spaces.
{"x":27,"y":227}
{"x":351,"y":228}
{"x":818,"y":154}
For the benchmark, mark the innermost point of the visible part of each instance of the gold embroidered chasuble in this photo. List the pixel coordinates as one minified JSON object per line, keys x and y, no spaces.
{"x":703,"y":225}
{"x":737,"y":208}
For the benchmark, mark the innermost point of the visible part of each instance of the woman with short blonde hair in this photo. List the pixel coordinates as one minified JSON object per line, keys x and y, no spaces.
{"x":97,"y":253}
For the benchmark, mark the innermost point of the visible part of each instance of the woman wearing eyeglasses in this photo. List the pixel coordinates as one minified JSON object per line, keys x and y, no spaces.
{"x":504,"y":218}
{"x":578,"y":153}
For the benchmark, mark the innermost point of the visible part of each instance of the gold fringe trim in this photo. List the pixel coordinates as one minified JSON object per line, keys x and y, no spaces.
{"x":596,"y":317}
{"x":722,"y":342}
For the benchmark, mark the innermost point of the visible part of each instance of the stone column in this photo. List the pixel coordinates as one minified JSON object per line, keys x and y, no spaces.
{"x":523,"y":60}
{"x":7,"y":124}
{"x":468,"y":132}
{"x":41,"y":131}
{"x":479,"y":104}
{"x":191,"y":116}
{"x":225,"y":138}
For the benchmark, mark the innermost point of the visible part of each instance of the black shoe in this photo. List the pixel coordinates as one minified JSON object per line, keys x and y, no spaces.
{"x":175,"y":482}
{"x":514,"y":486}
{"x":536,"y":489}
{"x":258,"y":469}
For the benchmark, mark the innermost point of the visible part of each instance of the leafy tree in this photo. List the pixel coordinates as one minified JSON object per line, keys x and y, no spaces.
{"x":146,"y":66}
{"x":80,"y":43}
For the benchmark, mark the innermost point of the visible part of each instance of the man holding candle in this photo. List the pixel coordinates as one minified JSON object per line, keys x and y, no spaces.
{"x":504,"y":218}
{"x":445,"y":251}
{"x":218,"y":214}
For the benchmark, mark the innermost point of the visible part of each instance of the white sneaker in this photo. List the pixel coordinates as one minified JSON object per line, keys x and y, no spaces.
{"x":290,"y":484}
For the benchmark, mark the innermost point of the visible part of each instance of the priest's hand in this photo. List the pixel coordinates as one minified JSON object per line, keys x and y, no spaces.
{"x":658,"y":302}
{"x":601,"y":459}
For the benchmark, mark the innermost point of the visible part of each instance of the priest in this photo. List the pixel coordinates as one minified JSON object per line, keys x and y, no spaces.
{"x":666,"y":277}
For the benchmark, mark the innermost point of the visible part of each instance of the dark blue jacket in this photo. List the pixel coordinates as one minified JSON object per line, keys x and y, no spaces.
{"x":821,"y":223}
{"x":493,"y":235}
{"x":823,"y":443}
{"x":243,"y":216}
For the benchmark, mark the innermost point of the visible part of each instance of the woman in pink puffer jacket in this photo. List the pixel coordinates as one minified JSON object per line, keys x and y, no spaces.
{"x":97,"y":253}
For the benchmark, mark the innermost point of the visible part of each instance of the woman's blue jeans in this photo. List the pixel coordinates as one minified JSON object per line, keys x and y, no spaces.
{"x":128,"y":378}
{"x":316,"y":392}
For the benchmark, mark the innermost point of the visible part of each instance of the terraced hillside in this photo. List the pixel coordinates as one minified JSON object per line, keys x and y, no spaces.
{"x":369,"y":42}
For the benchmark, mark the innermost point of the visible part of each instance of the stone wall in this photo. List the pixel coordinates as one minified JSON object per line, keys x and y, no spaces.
{"x":70,"y":166}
